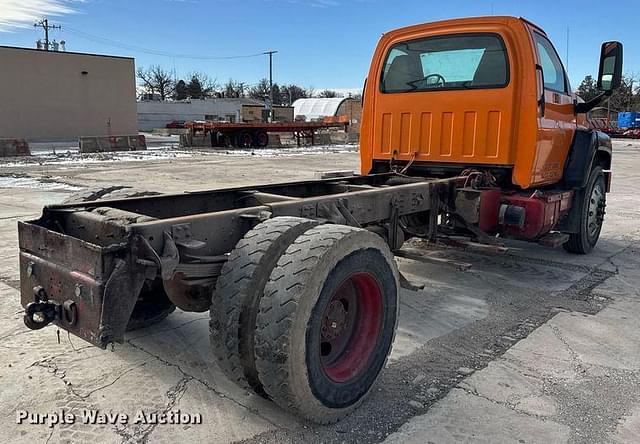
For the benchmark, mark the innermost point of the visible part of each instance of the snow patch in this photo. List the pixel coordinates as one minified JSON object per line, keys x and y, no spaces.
{"x":14,"y":181}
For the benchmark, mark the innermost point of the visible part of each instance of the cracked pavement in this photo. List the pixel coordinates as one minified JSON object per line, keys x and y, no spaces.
{"x":537,"y":345}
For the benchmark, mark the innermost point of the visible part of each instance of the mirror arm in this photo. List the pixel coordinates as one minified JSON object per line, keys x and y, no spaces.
{"x":585,"y":107}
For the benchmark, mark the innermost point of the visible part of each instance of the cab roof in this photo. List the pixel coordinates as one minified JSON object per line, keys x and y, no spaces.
{"x":461,"y":22}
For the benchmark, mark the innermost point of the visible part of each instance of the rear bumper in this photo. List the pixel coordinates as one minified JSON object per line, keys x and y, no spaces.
{"x":83,"y":288}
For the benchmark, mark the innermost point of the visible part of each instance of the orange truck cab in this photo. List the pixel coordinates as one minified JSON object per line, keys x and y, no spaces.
{"x":489,"y":96}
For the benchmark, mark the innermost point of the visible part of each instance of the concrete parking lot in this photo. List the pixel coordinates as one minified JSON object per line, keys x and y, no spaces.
{"x":536,"y":345}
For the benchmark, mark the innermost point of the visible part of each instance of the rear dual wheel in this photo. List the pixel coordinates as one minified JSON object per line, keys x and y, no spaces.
{"x":322,"y":325}
{"x":238,"y":291}
{"x":248,"y":139}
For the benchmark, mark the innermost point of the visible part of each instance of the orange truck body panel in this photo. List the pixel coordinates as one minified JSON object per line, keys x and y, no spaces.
{"x":491,"y":127}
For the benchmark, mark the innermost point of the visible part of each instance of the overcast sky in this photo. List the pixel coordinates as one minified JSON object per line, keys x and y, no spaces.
{"x":321,"y":43}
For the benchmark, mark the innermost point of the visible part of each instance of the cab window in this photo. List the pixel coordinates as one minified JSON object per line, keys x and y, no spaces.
{"x":554,"y":76}
{"x":464,"y":61}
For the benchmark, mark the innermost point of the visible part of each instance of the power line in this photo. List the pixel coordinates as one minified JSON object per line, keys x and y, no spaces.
{"x":117,"y":44}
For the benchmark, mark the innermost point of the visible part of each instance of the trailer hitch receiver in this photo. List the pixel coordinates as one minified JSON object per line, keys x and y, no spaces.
{"x":42,"y":311}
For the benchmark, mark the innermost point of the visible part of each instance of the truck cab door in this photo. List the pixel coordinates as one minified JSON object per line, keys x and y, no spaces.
{"x":557,"y":119}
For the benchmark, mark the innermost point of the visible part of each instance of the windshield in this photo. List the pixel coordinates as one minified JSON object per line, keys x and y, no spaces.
{"x":449,"y":62}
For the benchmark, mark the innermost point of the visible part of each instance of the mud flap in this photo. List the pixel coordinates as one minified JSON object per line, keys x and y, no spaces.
{"x":125,"y":280}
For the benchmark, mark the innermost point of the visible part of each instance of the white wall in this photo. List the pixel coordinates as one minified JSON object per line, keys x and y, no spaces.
{"x":157,"y":114}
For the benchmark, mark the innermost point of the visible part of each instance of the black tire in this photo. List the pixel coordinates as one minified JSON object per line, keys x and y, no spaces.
{"x":262,"y":139}
{"x":91,"y":194}
{"x":153,"y":304}
{"x":245,"y":139}
{"x":592,"y":209}
{"x":296,"y":321}
{"x":239,"y":288}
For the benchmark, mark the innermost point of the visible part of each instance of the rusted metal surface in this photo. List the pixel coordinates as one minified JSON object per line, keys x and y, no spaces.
{"x":120,"y":295}
{"x":64,"y":269}
{"x":90,"y":289}
{"x":191,"y":295}
{"x":92,"y":259}
{"x":460,"y":266}
{"x":496,"y":248}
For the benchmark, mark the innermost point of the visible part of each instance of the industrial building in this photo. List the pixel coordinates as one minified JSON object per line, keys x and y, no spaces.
{"x":49,"y":96}
{"x":319,"y":108}
{"x":157,"y":114}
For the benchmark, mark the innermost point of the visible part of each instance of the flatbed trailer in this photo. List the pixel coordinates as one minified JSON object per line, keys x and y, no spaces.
{"x":256,"y":134}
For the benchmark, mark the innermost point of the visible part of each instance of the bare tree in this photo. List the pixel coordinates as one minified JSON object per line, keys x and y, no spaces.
{"x":311,"y":91}
{"x":201,"y":85}
{"x":233,"y":89}
{"x":155,"y":80}
{"x":260,"y":91}
{"x":328,"y":94}
{"x":627,"y":97}
{"x":146,"y":82}
{"x":292,"y":92}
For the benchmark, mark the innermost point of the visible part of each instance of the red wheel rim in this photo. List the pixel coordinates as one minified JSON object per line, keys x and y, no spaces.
{"x":350,"y":327}
{"x":246,"y":140}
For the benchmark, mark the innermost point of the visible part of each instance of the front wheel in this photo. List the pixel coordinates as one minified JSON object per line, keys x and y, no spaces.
{"x":592,"y":210}
{"x":327,"y":321}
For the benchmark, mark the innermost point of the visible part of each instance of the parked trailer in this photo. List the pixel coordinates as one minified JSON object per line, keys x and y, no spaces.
{"x":248,"y":135}
{"x":300,"y":278}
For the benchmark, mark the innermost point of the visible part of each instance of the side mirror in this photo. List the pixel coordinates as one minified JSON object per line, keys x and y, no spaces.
{"x":610,"y":72}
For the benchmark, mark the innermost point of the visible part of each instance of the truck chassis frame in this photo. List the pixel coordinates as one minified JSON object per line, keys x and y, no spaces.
{"x":83,"y":265}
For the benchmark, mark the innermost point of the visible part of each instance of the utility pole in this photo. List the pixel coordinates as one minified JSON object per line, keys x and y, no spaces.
{"x":271,"y":53}
{"x":44,"y":24}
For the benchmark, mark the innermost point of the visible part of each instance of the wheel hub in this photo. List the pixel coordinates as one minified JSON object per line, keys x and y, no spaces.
{"x":350,"y":327}
{"x":335,"y":320}
{"x":596,"y":210}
